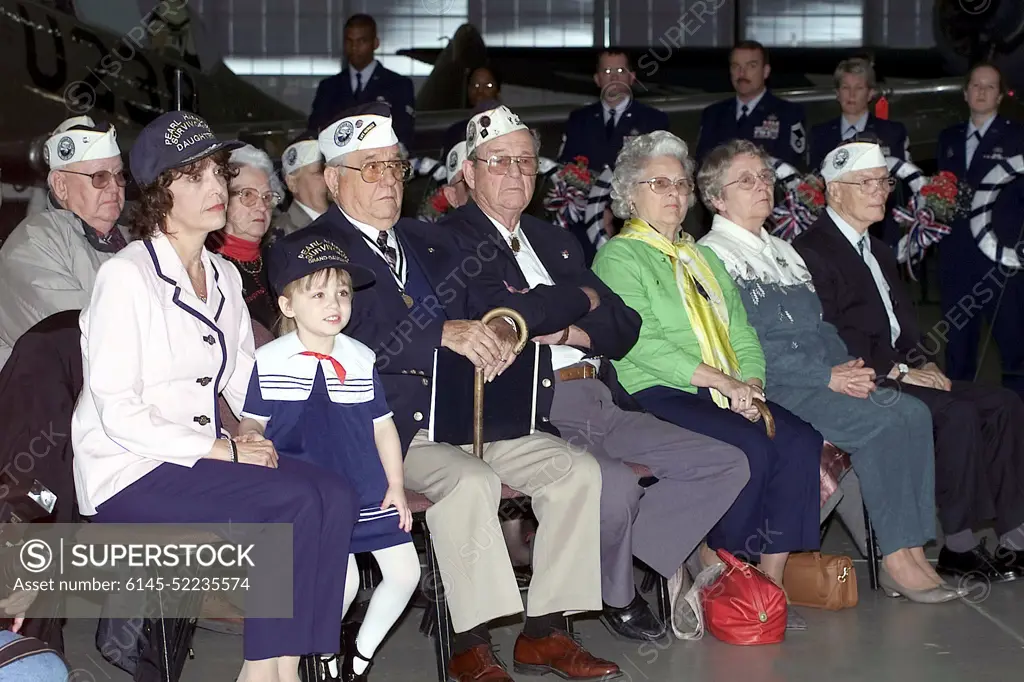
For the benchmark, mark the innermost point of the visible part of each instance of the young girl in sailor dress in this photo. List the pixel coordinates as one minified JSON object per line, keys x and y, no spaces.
{"x":316,"y":395}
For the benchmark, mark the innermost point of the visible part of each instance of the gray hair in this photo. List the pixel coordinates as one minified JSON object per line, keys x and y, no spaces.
{"x":260,"y":160}
{"x":634,"y":156}
{"x":711,"y":177}
{"x":856,"y":66}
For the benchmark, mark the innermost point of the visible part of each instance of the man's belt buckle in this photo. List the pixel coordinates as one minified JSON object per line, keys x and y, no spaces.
{"x":582,"y":371}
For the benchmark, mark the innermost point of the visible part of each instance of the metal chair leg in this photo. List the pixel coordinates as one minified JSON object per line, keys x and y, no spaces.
{"x":664,"y":600}
{"x":872,"y":548}
{"x":438,"y":613}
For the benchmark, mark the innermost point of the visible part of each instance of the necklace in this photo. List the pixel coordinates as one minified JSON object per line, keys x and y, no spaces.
{"x":256,"y":265}
{"x":200,"y":287}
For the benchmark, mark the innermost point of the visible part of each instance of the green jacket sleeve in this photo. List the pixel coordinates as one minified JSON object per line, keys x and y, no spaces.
{"x":620,"y":267}
{"x":742,"y":336}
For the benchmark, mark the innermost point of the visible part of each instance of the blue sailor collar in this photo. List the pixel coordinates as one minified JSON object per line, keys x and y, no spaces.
{"x":286,"y":374}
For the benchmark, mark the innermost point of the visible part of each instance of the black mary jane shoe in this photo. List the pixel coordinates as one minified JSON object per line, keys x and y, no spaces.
{"x":319,"y":668}
{"x":635,"y":622}
{"x":348,"y":673}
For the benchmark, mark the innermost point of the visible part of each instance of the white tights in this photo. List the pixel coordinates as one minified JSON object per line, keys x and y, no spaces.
{"x":400,"y":571}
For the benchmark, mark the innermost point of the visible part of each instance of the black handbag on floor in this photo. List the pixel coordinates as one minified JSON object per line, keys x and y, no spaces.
{"x":150,"y":649}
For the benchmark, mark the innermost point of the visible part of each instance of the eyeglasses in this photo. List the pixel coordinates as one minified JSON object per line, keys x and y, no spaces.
{"x":748,"y":180}
{"x":869,"y":185}
{"x":663,"y":185}
{"x":489,"y":86}
{"x":500,"y":165}
{"x":373,"y":171}
{"x":608,"y":72}
{"x":249,"y":196}
{"x":100,"y":179}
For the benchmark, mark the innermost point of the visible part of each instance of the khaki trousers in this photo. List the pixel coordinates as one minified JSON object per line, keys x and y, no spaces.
{"x":565,"y":486}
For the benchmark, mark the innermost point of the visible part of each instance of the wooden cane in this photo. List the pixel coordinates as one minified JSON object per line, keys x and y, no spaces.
{"x":766,"y":415}
{"x":478,"y":383}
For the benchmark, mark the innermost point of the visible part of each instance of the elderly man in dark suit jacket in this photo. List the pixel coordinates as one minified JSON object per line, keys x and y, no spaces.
{"x":698,"y":477}
{"x":423,"y":298}
{"x":979,"y":431}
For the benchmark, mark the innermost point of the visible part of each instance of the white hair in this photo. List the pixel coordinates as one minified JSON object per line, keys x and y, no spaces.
{"x":260,"y":160}
{"x":635,"y":154}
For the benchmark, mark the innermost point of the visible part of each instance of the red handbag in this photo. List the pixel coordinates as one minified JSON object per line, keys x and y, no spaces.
{"x":744,"y":606}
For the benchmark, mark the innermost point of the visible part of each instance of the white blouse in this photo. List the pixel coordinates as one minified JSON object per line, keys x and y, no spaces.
{"x":155,"y":358}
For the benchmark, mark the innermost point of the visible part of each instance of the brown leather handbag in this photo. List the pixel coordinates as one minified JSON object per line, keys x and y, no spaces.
{"x":820,"y":581}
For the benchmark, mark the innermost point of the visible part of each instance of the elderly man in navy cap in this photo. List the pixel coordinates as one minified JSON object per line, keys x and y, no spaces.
{"x":423,"y":298}
{"x":541,"y":267}
{"x":49,"y":262}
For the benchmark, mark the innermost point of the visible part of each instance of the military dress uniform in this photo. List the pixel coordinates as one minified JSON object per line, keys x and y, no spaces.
{"x":966,"y":275}
{"x":775,"y":124}
{"x":598,"y":132}
{"x":347,"y":89}
{"x":891,"y":136}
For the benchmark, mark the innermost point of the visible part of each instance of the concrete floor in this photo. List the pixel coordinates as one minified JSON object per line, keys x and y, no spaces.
{"x":979,"y":639}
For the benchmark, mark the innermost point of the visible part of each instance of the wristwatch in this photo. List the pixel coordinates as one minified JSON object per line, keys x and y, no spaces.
{"x":903,"y":370}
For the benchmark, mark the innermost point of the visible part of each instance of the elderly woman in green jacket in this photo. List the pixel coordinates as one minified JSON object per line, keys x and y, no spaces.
{"x":698,"y":363}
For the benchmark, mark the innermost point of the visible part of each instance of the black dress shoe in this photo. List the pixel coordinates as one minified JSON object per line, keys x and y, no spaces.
{"x":635,"y":623}
{"x":978,"y":562}
{"x":348,"y":673}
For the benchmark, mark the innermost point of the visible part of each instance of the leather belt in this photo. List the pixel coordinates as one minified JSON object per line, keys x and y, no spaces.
{"x":583,"y":370}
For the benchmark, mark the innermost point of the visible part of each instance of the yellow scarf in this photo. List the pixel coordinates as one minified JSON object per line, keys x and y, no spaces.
{"x":709,"y":319}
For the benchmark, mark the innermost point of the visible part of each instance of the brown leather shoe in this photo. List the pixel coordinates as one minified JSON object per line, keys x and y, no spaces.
{"x":560,"y":654}
{"x":476,"y":665}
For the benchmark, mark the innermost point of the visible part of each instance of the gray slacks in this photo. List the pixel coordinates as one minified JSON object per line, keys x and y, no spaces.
{"x":698,"y":479}
{"x":889,"y":438}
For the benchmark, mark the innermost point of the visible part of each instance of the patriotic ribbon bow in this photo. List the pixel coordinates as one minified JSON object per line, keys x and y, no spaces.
{"x":790,"y":217}
{"x":567,"y":202}
{"x":924,"y":231}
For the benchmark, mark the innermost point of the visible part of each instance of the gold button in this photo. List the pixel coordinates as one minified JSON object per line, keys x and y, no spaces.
{"x":417,"y":416}
{"x":546,"y":383}
{"x":405,"y":371}
{"x":545,"y":419}
{"x":426,"y":382}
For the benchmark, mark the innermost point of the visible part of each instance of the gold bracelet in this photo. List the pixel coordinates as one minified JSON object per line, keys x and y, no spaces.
{"x":565,"y":337}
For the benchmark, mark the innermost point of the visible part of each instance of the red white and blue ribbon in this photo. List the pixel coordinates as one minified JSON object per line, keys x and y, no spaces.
{"x":924,"y":230}
{"x":566,"y":201}
{"x":790,"y":217}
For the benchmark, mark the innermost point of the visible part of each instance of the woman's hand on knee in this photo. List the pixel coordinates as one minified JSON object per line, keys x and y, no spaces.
{"x":741,"y":397}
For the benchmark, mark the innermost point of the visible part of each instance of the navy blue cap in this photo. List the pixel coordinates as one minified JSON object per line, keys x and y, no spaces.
{"x":304,"y":252}
{"x":173,"y":140}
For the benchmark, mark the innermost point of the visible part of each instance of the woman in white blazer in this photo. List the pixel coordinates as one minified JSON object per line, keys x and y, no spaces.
{"x":165,"y":333}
